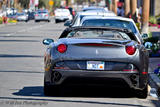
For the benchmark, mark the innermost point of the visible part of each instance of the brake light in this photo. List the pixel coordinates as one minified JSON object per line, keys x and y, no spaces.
{"x":66,"y":68}
{"x":130,"y":70}
{"x":36,"y":14}
{"x":144,"y":73}
{"x":46,"y":14}
{"x":130,"y":50}
{"x":62,"y":48}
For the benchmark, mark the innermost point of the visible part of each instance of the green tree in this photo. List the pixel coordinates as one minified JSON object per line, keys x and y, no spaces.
{"x":41,"y":4}
{"x":57,"y":3}
{"x":24,"y":3}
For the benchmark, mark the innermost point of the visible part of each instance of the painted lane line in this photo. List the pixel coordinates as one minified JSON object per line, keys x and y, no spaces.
{"x":25,"y":30}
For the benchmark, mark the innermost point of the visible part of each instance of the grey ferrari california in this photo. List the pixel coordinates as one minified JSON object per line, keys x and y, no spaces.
{"x":96,"y":55}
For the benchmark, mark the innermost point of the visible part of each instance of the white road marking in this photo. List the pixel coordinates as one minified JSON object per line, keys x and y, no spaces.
{"x":25,"y":30}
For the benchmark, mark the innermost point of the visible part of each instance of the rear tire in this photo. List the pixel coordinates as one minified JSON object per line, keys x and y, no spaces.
{"x":142,"y":93}
{"x":56,"y":21}
{"x":50,"y":90}
{"x":36,"y":20}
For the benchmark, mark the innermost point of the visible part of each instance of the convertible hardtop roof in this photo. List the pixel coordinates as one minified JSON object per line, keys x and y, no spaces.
{"x":99,"y":28}
{"x":93,"y":8}
{"x":111,"y":17}
{"x":81,"y":28}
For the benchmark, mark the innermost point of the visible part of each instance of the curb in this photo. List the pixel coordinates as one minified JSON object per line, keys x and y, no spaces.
{"x":155,"y":81}
{"x":2,"y":25}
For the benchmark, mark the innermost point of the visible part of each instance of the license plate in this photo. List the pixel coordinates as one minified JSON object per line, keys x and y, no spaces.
{"x":95,"y":65}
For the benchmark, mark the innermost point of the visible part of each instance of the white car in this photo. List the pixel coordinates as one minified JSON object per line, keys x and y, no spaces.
{"x":42,"y":15}
{"x":112,"y":21}
{"x":11,"y":11}
{"x":92,"y":13}
{"x":62,"y":15}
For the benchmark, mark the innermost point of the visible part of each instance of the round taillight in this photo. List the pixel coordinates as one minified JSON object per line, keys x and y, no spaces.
{"x":62,"y":48}
{"x":130,"y":50}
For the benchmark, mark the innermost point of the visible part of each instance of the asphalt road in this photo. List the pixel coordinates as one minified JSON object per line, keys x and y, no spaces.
{"x":22,"y":72}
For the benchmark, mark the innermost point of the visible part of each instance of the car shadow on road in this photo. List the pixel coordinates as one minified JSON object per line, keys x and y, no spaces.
{"x":79,"y":91}
{"x":90,"y":101}
{"x":30,"y":91}
{"x":36,"y":93}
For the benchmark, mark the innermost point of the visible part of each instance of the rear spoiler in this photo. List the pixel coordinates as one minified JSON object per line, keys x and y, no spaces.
{"x":101,"y":28}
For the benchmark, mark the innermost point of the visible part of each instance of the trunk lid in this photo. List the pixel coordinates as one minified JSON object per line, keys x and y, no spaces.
{"x":94,"y":49}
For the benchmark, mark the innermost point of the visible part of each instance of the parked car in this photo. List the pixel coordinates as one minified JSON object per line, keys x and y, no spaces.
{"x":31,"y":15}
{"x":42,"y":15}
{"x":22,"y":17}
{"x":10,"y":11}
{"x":94,"y":8}
{"x":62,"y":15}
{"x":79,"y":16}
{"x":112,"y":21}
{"x":96,"y":55}
{"x":12,"y":16}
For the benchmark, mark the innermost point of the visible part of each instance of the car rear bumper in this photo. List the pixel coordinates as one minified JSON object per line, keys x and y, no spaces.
{"x":45,"y":18}
{"x":108,"y":78}
{"x":62,"y":18}
{"x":22,"y":19}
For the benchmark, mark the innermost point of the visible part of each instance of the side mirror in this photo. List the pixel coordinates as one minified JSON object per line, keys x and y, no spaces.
{"x":48,"y":41}
{"x":145,"y":36}
{"x":67,"y":23}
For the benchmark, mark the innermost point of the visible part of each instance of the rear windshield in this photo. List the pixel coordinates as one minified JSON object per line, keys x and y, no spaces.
{"x":19,"y":14}
{"x":62,"y":10}
{"x":99,"y":34}
{"x":39,"y":12}
{"x":110,"y":23}
{"x":91,"y":9}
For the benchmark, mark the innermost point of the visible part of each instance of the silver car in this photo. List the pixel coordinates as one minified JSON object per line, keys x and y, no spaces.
{"x":42,"y":15}
{"x":22,"y":17}
{"x":96,"y":55}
